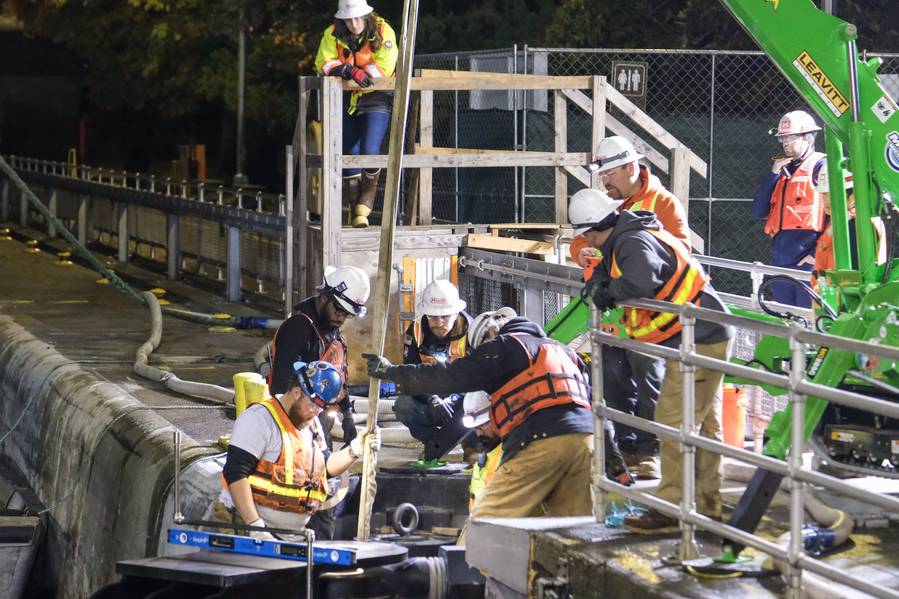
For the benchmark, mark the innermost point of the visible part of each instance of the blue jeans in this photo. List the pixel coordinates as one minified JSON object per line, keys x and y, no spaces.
{"x":631,"y":383}
{"x":363,"y":134}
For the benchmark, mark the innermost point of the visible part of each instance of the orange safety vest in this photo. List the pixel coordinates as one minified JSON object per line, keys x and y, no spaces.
{"x":334,"y":353}
{"x":825,"y":259}
{"x":297,"y":481}
{"x":685,"y":285}
{"x":795,"y":205}
{"x":652,"y":197}
{"x":457,"y":348}
{"x":552,"y":379}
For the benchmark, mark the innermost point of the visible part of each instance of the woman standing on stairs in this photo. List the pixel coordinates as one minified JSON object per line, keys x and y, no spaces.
{"x":360,"y":46}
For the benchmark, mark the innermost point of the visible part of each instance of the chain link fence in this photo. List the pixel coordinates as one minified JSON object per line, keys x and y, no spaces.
{"x":719,"y":104}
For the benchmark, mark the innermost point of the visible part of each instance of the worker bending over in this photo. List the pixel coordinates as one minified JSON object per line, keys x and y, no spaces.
{"x":440,"y":336}
{"x":642,"y":260}
{"x":540,"y":406}
{"x":278,"y":465}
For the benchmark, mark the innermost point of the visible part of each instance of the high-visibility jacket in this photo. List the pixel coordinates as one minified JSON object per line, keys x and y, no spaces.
{"x":552,"y":379}
{"x":825,"y":259}
{"x":334,"y":52}
{"x":795,"y":205}
{"x":457,"y":348}
{"x":334,"y":353}
{"x":297,"y":481}
{"x":653,"y":197}
{"x":481,"y":475}
{"x":685,"y":285}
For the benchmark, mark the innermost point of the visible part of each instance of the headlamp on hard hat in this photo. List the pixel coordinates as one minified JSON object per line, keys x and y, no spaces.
{"x":338,"y":292}
{"x":599,"y":162}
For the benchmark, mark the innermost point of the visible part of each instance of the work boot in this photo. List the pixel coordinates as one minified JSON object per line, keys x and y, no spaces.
{"x":644,"y":466}
{"x":350,"y":195}
{"x":650,"y":522}
{"x":366,"y":198}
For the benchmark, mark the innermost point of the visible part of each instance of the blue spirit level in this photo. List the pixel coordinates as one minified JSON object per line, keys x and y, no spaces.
{"x":251,"y":546}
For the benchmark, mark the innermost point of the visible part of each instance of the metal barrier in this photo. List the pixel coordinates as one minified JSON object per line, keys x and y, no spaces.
{"x":686,"y":436}
{"x":223,"y":234}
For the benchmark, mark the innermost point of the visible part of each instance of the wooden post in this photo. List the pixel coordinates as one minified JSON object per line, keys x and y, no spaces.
{"x":599,"y":122}
{"x":301,"y":208}
{"x":561,"y":138}
{"x":385,"y":253}
{"x":426,"y":175}
{"x":288,"y":230}
{"x":332,"y":177}
{"x":680,"y":175}
{"x":23,"y":209}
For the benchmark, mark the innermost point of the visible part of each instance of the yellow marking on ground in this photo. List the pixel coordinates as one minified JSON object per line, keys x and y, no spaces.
{"x":221,"y":329}
{"x":865,"y":545}
{"x":637,"y":564}
{"x":22,"y":302}
{"x":72,"y":301}
{"x":196,"y":368}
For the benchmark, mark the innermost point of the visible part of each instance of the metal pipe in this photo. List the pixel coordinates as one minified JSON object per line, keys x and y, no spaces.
{"x":239,"y":177}
{"x":795,"y":548}
{"x":310,"y":561}
{"x":599,"y":441}
{"x":687,"y":548}
{"x":178,"y":516}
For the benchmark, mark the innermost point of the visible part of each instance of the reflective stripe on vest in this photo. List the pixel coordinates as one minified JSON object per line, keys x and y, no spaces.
{"x":795,"y":205}
{"x":480,"y":477}
{"x":361,"y":58}
{"x":552,"y":379}
{"x":648,"y":203}
{"x":457,"y":348}
{"x":277,"y":485}
{"x":685,"y":285}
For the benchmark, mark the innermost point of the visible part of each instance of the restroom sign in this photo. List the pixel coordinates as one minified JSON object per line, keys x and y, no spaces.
{"x":629,"y":78}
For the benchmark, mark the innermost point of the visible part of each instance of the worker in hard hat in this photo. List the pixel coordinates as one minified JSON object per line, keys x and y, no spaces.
{"x":788,"y":203}
{"x":278,"y":465}
{"x":476,"y":406}
{"x":540,"y":406}
{"x":360,"y":46}
{"x":312,"y":332}
{"x":824,"y":252}
{"x":631,"y":380}
{"x":640,"y":259}
{"x":440,"y":335}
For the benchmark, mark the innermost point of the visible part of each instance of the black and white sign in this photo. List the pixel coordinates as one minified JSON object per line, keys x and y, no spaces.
{"x":629,"y":78}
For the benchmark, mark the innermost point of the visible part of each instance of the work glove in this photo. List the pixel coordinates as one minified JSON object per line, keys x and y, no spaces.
{"x":260,"y":535}
{"x":440,"y":410}
{"x":344,"y":71}
{"x":360,"y":77}
{"x":377,"y":365}
{"x":349,"y":427}
{"x":372,"y":439}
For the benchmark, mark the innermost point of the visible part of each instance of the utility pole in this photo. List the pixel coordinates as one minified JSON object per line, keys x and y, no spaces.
{"x":239,"y":177}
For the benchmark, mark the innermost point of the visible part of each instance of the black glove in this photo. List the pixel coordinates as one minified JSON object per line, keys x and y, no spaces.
{"x":598,"y":290}
{"x":441,"y":410}
{"x":348,"y":426}
{"x":344,"y":71}
{"x":377,"y":366}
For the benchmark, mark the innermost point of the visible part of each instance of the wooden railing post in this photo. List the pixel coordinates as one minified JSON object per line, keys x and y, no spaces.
{"x":561,"y":145}
{"x":599,"y":122}
{"x":332,"y":176}
{"x":680,"y":175}
{"x":426,"y":175}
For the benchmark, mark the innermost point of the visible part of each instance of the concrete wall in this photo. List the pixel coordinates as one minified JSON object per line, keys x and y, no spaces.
{"x":92,"y":453}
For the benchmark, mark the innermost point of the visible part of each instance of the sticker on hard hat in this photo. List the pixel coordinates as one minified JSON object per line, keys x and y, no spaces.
{"x":892,"y":150}
{"x":821,"y":83}
{"x":884,"y":108}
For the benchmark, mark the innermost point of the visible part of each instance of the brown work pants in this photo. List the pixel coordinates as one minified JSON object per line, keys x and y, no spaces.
{"x":707,"y":416}
{"x":552,"y":473}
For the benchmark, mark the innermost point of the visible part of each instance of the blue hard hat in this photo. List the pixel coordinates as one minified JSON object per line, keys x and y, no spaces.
{"x":320,"y":381}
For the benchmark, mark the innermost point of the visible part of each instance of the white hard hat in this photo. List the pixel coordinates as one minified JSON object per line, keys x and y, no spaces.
{"x":349,"y":9}
{"x":822,"y":185}
{"x":795,"y":123}
{"x":588,"y":208}
{"x":476,"y":409}
{"x":349,"y":287}
{"x":440,"y":298}
{"x":487,"y":321}
{"x":614,"y":151}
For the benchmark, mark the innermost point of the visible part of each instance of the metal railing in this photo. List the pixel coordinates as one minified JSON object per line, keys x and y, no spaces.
{"x":688,"y":439}
{"x":226,"y":235}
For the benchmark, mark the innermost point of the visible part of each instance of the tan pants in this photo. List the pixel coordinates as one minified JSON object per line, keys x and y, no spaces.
{"x":551,"y":473}
{"x":708,"y":421}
